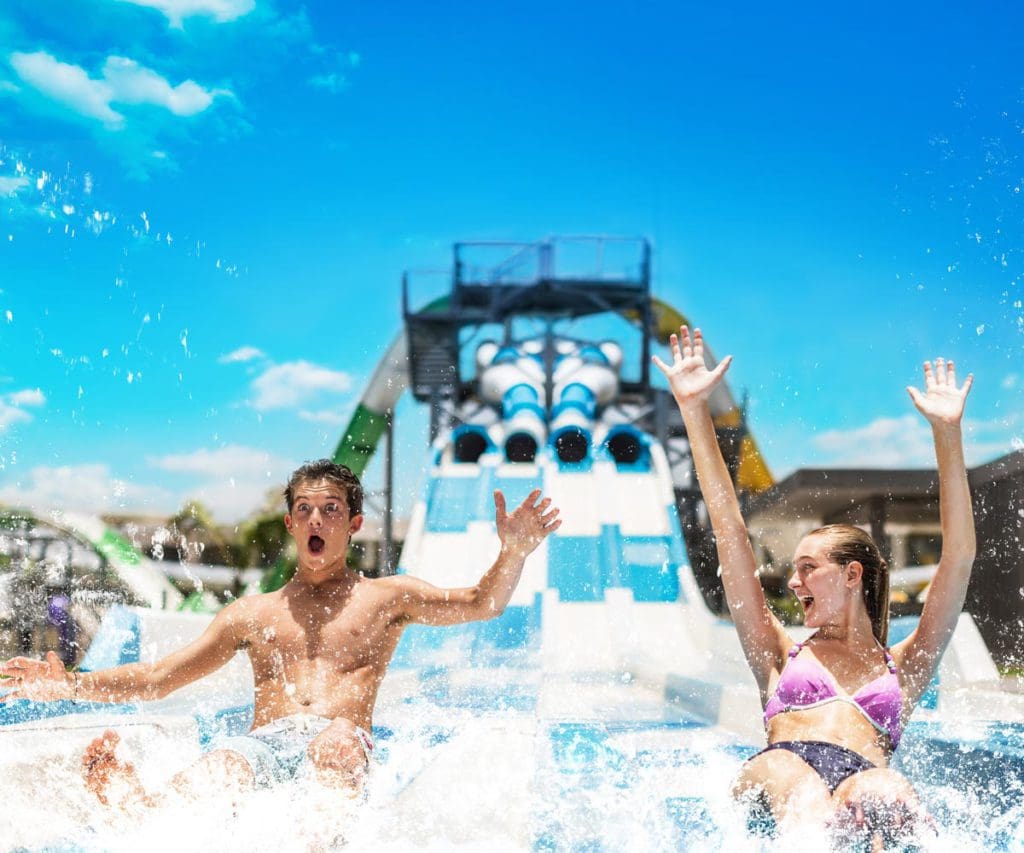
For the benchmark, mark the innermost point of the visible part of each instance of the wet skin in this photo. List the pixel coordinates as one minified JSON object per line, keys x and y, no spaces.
{"x":320,"y":649}
{"x":823,"y":588}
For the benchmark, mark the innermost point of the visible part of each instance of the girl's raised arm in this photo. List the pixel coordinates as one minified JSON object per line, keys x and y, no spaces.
{"x":942,"y":403}
{"x":761,"y":634}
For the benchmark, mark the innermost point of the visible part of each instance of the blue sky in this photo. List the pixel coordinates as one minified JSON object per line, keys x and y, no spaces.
{"x":204,"y":201}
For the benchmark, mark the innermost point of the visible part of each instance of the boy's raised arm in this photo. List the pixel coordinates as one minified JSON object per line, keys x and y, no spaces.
{"x":520,"y":532}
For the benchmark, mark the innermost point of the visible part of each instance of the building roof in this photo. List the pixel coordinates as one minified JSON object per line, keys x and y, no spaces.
{"x":847,"y":495}
{"x":851,"y":495}
{"x":1010,"y":465}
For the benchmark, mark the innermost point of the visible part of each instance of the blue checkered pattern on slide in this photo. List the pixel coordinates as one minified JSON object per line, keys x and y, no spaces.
{"x":453,"y":502}
{"x":497,"y":642}
{"x":581,"y":568}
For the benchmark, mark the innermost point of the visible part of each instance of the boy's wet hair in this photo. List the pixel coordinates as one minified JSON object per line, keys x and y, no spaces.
{"x":332,"y":472}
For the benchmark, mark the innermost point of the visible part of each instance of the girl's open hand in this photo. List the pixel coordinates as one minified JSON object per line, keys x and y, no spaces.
{"x":688,"y":376}
{"x":942,"y":403}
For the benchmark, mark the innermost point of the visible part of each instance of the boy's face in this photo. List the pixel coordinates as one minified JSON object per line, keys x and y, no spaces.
{"x":320,"y":524}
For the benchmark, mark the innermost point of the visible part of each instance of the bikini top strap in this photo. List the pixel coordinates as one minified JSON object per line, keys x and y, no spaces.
{"x":889,"y":662}
{"x":796,"y":649}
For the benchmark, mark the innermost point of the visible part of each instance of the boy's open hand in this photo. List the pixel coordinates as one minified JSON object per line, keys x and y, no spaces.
{"x":688,"y":376}
{"x":41,"y":680}
{"x":522,"y":530}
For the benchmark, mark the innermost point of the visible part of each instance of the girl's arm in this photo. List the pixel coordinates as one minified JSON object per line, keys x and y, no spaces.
{"x":942,"y":403}
{"x":761,"y":635}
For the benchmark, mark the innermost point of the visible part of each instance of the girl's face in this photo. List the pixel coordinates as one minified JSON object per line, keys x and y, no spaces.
{"x":819,"y":582}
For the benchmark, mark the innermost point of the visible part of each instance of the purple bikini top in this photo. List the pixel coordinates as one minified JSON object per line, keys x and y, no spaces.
{"x":806,"y":683}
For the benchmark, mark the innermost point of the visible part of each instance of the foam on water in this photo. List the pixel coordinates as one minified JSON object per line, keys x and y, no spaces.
{"x":471,"y":760}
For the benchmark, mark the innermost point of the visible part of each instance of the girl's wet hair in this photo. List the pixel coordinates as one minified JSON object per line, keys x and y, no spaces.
{"x":848,"y":543}
{"x":332,"y":472}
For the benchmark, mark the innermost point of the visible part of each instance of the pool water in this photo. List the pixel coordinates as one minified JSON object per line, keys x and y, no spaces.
{"x":493,"y":758}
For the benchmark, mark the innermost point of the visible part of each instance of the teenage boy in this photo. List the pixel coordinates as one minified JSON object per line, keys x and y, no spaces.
{"x":319,"y":648}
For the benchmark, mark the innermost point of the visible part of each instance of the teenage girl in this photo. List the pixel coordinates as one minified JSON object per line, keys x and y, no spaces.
{"x":836,"y":704}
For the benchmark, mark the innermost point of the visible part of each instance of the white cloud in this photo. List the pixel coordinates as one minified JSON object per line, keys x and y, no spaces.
{"x":334,"y":82}
{"x":67,"y":84}
{"x":27,"y":397}
{"x":134,"y":84}
{"x":233,"y":460}
{"x":124,"y":82}
{"x":9,"y":186}
{"x":234,"y":479}
{"x":246,"y":353}
{"x":176,"y":11}
{"x":329,"y":417}
{"x":12,"y":415}
{"x":294,"y":382}
{"x":232,"y":499}
{"x":906,"y":442}
{"x":12,"y":405}
{"x":884,"y":443}
{"x":86,"y":488}
{"x":335,"y":78}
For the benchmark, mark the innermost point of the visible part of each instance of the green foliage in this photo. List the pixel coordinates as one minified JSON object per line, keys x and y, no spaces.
{"x":786,"y":608}
{"x":262,"y":540}
{"x":193,"y":516}
{"x":206,"y":541}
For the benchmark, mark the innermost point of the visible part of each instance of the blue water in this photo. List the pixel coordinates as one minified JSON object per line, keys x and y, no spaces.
{"x":599,"y":782}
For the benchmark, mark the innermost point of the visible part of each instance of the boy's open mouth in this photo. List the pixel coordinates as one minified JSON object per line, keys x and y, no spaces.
{"x":806,"y":601}
{"x":316,"y":544}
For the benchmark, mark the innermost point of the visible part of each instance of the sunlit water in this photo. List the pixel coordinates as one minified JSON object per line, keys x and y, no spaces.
{"x":502,"y":757}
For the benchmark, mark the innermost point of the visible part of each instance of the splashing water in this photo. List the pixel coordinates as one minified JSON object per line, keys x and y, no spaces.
{"x":502,"y":757}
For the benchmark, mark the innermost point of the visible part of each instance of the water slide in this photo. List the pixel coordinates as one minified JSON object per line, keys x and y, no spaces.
{"x":77,"y":532}
{"x":390,"y":380}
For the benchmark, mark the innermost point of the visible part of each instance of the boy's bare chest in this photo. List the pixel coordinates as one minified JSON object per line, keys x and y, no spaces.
{"x":348,"y":637}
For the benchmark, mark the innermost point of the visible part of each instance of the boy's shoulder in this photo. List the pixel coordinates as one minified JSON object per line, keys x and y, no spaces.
{"x":391,"y":587}
{"x":254,"y":606}
{"x":390,"y":582}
